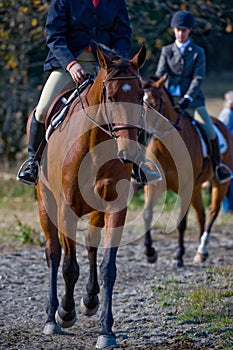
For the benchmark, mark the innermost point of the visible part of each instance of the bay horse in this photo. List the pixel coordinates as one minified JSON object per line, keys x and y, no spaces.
{"x":181,"y":176}
{"x":86,"y":170}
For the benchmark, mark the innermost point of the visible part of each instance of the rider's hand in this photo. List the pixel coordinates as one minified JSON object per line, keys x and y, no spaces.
{"x":182,"y":104}
{"x":77,"y":73}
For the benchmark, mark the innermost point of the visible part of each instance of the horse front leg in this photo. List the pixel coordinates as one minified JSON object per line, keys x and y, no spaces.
{"x":114,"y":226}
{"x":53,"y":257}
{"x":66,"y":314}
{"x":90,"y":301}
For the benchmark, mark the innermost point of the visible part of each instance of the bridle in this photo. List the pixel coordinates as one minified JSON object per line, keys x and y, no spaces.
{"x":161,"y":99}
{"x":160,"y":106}
{"x":112,"y":129}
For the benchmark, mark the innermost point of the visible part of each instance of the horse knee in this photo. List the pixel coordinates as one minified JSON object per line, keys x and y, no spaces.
{"x":53,"y":255}
{"x":70,"y":271}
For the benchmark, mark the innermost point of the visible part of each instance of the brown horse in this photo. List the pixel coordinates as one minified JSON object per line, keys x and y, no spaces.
{"x":86,"y":169}
{"x":185,"y":168}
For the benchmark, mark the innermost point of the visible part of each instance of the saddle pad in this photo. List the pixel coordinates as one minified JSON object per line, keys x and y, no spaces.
{"x":221,"y":139}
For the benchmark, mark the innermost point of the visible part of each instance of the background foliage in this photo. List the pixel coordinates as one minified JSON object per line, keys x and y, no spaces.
{"x":23,"y":49}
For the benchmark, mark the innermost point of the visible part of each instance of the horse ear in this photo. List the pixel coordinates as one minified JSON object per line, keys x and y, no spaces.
{"x":139,"y":59}
{"x":159,"y":83}
{"x":103,"y":59}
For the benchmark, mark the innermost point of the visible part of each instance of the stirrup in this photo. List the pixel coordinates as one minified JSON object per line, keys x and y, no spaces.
{"x":224,"y":166}
{"x":18,"y":178}
{"x":157,"y":171}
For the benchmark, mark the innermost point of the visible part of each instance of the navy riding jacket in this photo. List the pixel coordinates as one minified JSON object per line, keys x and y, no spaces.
{"x":187,"y":70}
{"x":74,"y":25}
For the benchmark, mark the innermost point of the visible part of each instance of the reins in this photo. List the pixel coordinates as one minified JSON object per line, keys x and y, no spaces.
{"x":111,"y":128}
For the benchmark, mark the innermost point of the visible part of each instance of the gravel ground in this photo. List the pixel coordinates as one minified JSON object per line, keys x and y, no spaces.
{"x":142,"y":318}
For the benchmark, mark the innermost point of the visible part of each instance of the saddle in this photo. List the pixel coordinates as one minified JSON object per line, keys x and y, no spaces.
{"x":205,"y":142}
{"x":58,"y":111}
{"x":60,"y":106}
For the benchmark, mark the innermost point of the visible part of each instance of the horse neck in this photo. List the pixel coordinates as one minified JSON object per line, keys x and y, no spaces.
{"x":168,"y":109}
{"x":95,"y":92}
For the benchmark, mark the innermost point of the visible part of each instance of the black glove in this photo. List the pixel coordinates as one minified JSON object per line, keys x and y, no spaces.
{"x":182,"y":104}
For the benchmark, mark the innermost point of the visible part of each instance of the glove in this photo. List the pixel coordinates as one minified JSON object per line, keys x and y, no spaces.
{"x":182,"y":103}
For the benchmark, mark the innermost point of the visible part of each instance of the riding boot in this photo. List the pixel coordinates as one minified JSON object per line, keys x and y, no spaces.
{"x":222,"y":172}
{"x":37,"y":132}
{"x":142,"y":173}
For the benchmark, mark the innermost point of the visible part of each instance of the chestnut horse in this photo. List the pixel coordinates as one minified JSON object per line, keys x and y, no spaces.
{"x":184,"y":180}
{"x":86,"y":169}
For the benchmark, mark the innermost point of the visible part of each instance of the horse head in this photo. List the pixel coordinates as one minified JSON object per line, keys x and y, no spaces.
{"x":122,"y":100}
{"x":157,"y":96}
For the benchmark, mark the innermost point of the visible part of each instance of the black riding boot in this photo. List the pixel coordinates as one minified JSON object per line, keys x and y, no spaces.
{"x":142,"y":173}
{"x":222,"y":172}
{"x":37,"y":132}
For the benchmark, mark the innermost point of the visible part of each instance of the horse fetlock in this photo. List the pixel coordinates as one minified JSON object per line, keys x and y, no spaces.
{"x":65,"y":318}
{"x":89,"y":305}
{"x":203,"y":246}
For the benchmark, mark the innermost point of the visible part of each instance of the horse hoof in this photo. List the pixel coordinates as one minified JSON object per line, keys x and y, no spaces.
{"x":177,"y":264}
{"x":105,"y":341}
{"x":151,"y":255}
{"x":60,"y":316}
{"x":52,"y":328}
{"x":89,"y":312}
{"x":152,"y":259}
{"x":200,"y":258}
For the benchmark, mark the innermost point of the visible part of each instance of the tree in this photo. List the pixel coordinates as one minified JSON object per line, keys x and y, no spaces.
{"x":213,"y":30}
{"x":23,"y":49}
{"x":22,"y":37}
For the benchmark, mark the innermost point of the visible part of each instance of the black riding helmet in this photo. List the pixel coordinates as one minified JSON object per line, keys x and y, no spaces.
{"x":182,"y":19}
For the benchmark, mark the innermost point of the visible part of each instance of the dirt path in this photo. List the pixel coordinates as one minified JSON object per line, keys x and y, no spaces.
{"x":147,"y":302}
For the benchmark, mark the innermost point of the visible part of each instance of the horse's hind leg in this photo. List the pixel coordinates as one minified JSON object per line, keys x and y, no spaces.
{"x":182,"y":224}
{"x":151,"y":193}
{"x":53,"y":257}
{"x":218,"y":193}
{"x":90,"y":302}
{"x":198,"y":206}
{"x":66,"y":314}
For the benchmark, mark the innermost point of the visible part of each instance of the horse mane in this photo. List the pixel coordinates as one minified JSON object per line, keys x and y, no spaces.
{"x":110,"y":52}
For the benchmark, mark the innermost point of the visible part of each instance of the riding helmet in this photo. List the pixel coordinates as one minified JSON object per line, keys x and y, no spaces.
{"x":182,"y":19}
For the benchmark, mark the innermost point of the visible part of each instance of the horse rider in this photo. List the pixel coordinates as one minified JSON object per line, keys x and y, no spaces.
{"x":185,"y":64}
{"x":72,"y":26}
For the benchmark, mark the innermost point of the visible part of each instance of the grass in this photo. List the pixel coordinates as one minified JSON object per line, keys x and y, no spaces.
{"x":208,"y":303}
{"x":19,"y":223}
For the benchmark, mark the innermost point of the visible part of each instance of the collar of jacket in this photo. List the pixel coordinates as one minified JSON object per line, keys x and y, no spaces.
{"x":189,"y":48}
{"x":90,"y":4}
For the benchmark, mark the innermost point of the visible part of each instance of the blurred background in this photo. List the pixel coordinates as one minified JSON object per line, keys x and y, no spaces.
{"x":23,"y":50}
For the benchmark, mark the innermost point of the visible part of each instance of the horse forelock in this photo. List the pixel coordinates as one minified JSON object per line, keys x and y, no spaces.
{"x":120,"y":66}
